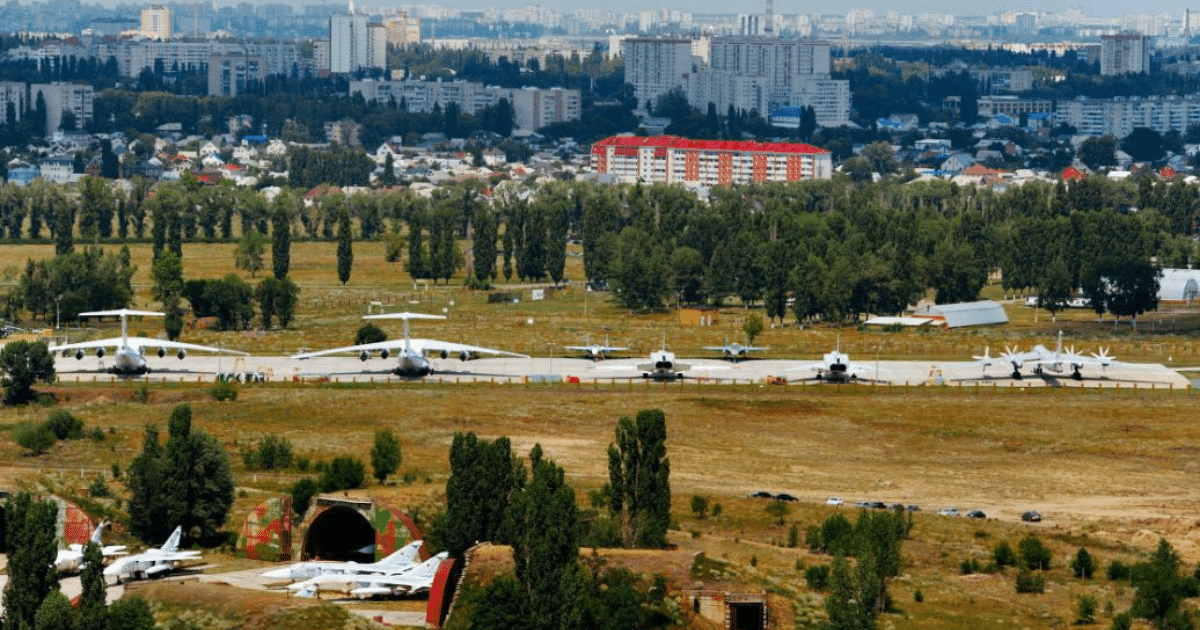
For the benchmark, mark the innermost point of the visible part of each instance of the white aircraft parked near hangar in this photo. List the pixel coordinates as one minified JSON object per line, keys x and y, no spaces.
{"x":595,"y":351}
{"x":1043,"y":359}
{"x":70,"y":560}
{"x":152,"y":563}
{"x":402,"y":560}
{"x":129,"y":352}
{"x":410,"y":352}
{"x":734,"y":351}
{"x":416,"y":579}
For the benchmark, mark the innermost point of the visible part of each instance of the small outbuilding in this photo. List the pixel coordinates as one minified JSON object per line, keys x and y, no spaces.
{"x":981,"y":313}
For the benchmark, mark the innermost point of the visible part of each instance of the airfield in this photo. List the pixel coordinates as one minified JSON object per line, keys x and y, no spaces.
{"x":617,"y":372}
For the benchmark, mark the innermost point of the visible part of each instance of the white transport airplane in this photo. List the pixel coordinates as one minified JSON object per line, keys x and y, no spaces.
{"x":410,"y":352}
{"x":418,"y":578}
{"x":1043,"y":359}
{"x":398,"y":562}
{"x":152,"y":563}
{"x":70,"y":560}
{"x":129,"y":352}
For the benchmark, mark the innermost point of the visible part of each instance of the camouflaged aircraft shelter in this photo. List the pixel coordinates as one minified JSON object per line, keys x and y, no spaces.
{"x":335,"y":528}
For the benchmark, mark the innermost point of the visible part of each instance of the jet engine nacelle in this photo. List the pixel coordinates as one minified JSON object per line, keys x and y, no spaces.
{"x":445,"y":354}
{"x":162,"y":352}
{"x":79,"y":354}
{"x":464,"y":355}
{"x":99,"y":353}
{"x":364,"y":355}
{"x":181,"y":354}
{"x":385,"y":353}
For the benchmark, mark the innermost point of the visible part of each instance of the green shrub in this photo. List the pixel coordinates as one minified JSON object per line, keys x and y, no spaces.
{"x":343,"y":473}
{"x":302,"y":493}
{"x":64,"y":426}
{"x":33,"y":437}
{"x":1034,"y":555}
{"x":918,"y":596}
{"x":1085,"y":609}
{"x":817,"y":577}
{"x":1083,"y":566}
{"x":98,"y":489}
{"x":1003,"y":556}
{"x":1117,"y":571}
{"x":1030,"y":582}
{"x":223,"y":390}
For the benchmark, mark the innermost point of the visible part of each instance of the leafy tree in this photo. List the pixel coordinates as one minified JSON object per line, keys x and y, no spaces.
{"x":369,"y":333}
{"x":845,"y":604}
{"x":55,"y":613}
{"x":1083,"y":566}
{"x":23,"y":364}
{"x":281,"y":237}
{"x":93,"y":610}
{"x":641,"y":278}
{"x":1132,"y":289}
{"x":699,"y":506}
{"x":1160,"y":587}
{"x":1144,"y":145}
{"x":32,"y":548}
{"x":1034,"y":555}
{"x":753,"y":326}
{"x":64,"y":425}
{"x":249,"y":253}
{"x":1085,"y":609}
{"x":778,"y":510}
{"x":343,"y":473}
{"x":144,"y":478}
{"x":1003,"y":555}
{"x":345,"y":248}
{"x":1097,"y":152}
{"x":167,"y":274}
{"x":130,"y":613}
{"x":302,"y":493}
{"x":385,"y":454}
{"x":639,"y":475}
{"x":1055,"y":288}
{"x":483,"y":478}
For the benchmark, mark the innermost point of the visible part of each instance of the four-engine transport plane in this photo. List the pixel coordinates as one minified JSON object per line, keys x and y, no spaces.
{"x":1043,"y":359}
{"x":70,"y":560}
{"x":734,"y":351}
{"x":595,"y":351}
{"x":415,"y":579}
{"x":152,"y":563}
{"x":410,"y":352}
{"x":129,"y":352}
{"x":399,"y":562}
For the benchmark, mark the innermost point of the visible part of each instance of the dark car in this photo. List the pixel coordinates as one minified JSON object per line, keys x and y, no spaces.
{"x":976,"y":514}
{"x":783,"y":496}
{"x":1031,"y":517}
{"x":761,"y":494}
{"x":912,"y":507}
{"x":879,"y":505}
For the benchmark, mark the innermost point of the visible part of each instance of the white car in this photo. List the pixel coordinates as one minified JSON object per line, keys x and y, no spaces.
{"x":950,"y":511}
{"x":833,"y":501}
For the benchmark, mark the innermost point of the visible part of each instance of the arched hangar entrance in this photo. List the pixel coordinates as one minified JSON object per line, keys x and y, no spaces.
{"x":340,"y":533}
{"x":346,"y":528}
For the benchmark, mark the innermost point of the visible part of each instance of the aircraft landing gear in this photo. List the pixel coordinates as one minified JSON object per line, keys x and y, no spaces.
{"x":1077,"y":376}
{"x":1016,"y":374}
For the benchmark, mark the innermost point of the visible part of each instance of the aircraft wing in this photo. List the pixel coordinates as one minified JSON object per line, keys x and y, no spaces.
{"x":433,"y":345}
{"x":600,"y":348}
{"x":143,"y":342}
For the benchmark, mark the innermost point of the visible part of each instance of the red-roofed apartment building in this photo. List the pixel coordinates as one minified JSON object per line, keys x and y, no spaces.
{"x":669,"y":160}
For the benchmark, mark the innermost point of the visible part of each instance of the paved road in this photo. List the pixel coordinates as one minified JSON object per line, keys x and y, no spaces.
{"x":621,"y":371}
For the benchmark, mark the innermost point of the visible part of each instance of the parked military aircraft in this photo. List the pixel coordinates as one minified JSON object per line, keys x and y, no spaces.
{"x":835,"y":367}
{"x":415,"y":579}
{"x":129,"y":352}
{"x":1043,"y":359}
{"x":152,"y":563}
{"x":595,"y":351}
{"x":410,"y":352}
{"x":399,"y":562}
{"x":70,"y":559}
{"x":734,"y":351}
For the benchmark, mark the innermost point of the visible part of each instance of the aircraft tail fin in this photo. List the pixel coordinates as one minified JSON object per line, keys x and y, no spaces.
{"x":172,"y":543}
{"x":98,"y":532}
{"x":1058,"y":349}
{"x":429,"y":568}
{"x":405,"y":556}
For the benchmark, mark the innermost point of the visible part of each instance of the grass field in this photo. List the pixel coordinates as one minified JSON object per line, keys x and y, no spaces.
{"x":1110,"y":470}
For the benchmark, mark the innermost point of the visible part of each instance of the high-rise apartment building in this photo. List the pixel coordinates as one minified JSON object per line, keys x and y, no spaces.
{"x":403,"y":30}
{"x":156,"y":22}
{"x":655,"y":66}
{"x":669,"y":160}
{"x":1123,"y":53}
{"x":355,"y":43}
{"x":64,"y":97}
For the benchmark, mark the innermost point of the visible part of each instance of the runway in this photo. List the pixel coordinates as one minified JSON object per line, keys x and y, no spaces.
{"x":204,"y":369}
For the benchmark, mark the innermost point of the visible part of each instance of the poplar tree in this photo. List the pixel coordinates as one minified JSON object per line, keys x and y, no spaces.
{"x":32,"y":548}
{"x":281,"y":240}
{"x":345,"y":247}
{"x":385,"y":454}
{"x":483,"y":477}
{"x":639,"y":477}
{"x":93,"y":611}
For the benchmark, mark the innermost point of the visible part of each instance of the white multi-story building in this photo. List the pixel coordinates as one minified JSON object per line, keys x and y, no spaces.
{"x":1123,"y":53}
{"x":355,"y":43}
{"x":156,"y":22}
{"x":763,"y":74}
{"x":133,"y":56}
{"x":63,"y":97}
{"x":656,"y":66}
{"x":533,"y":108}
{"x":14,"y":93}
{"x":228,"y":75}
{"x":669,"y":160}
{"x":1120,"y":116}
